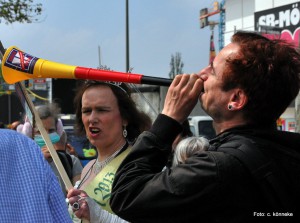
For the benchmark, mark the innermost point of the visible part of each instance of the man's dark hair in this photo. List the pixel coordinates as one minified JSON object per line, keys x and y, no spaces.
{"x":268,"y":71}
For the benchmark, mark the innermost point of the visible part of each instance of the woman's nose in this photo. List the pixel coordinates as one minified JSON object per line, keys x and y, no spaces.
{"x":93,"y":118}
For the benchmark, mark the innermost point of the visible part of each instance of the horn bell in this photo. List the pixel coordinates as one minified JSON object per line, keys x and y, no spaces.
{"x":19,"y":66}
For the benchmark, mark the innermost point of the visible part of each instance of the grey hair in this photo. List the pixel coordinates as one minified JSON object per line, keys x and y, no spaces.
{"x":48,"y":110}
{"x":188,"y":147}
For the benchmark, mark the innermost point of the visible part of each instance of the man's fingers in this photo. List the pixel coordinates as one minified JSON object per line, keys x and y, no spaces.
{"x":197,"y":85}
{"x":176,"y":80}
{"x":182,"y":96}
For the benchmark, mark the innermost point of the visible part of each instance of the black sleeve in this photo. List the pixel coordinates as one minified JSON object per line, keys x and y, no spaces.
{"x":142,"y":192}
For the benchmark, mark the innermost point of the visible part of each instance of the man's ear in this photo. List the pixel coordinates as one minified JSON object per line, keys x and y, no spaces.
{"x":238,"y":99}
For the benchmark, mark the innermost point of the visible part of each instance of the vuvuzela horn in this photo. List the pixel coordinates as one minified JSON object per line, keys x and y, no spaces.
{"x":18,"y":66}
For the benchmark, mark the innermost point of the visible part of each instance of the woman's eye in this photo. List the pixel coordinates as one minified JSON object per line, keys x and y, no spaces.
{"x":101,"y":110}
{"x":85,"y":111}
{"x":98,"y":110}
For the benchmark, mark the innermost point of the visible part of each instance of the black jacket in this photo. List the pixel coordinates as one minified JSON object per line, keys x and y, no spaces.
{"x":212,"y":186}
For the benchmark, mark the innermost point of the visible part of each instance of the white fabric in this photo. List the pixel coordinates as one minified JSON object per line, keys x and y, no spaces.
{"x":98,"y":215}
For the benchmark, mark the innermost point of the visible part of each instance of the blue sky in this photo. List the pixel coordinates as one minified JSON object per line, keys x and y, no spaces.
{"x":71,"y":31}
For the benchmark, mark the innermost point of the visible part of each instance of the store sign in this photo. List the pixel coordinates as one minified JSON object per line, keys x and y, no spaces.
{"x":283,"y":22}
{"x":40,"y":81}
{"x":40,"y":84}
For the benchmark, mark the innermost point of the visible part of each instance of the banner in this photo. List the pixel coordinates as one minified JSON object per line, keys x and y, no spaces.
{"x":280,"y":22}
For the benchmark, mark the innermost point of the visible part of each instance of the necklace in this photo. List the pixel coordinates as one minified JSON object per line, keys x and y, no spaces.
{"x":99,"y":165}
{"x":100,"y":168}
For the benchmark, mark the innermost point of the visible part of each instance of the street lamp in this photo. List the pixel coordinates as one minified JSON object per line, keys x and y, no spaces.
{"x":127,"y":38}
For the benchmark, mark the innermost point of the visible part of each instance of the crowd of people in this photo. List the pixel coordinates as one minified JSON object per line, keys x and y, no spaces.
{"x":157,"y":171}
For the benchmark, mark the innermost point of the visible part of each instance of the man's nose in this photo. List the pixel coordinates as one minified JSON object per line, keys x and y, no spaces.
{"x":203,"y":74}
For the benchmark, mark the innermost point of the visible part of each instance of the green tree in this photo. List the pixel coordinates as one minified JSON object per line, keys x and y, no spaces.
{"x":23,"y":11}
{"x":176,"y":65}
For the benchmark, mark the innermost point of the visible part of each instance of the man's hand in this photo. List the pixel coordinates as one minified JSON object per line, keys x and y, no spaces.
{"x":182,"y":96}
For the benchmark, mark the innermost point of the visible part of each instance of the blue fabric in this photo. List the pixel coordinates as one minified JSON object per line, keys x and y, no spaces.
{"x":29,"y":190}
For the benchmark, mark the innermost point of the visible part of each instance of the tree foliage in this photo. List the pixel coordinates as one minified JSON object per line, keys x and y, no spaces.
{"x":23,"y":11}
{"x":176,"y":65}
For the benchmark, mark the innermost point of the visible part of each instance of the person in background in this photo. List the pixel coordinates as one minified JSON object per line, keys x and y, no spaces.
{"x":49,"y":116}
{"x":188,"y":147}
{"x":107,"y":115}
{"x":14,"y":125}
{"x":61,"y":147}
{"x":250,"y":171}
{"x":29,"y":190}
{"x":70,"y":149}
{"x":186,"y":132}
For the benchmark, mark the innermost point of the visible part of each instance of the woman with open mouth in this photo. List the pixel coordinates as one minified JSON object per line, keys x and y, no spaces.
{"x":108,"y":116}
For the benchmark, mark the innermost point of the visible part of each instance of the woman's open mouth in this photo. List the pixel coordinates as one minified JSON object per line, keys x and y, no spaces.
{"x":94,"y":131}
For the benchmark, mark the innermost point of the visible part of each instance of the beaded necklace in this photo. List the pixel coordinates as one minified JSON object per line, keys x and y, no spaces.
{"x":98,"y":165}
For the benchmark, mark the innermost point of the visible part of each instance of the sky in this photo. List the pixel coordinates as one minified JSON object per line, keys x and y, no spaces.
{"x":71,"y":32}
